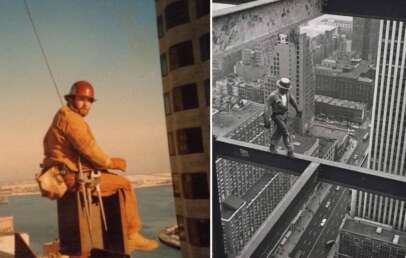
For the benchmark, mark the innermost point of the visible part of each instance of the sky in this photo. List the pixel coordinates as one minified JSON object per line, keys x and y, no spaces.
{"x":112,"y":44}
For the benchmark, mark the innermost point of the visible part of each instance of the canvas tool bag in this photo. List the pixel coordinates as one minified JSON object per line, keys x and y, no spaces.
{"x":51,"y":183}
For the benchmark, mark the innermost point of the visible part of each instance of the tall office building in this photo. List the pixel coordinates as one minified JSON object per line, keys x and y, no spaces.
{"x":365,"y":38}
{"x":184,"y":43}
{"x":247,"y":193}
{"x":388,"y":133}
{"x":292,"y":58}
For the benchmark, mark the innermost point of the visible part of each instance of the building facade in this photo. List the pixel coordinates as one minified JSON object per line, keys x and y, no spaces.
{"x":338,"y":109}
{"x":359,"y":238}
{"x":388,"y":130}
{"x":365,"y":38}
{"x":184,"y":43}
{"x":241,"y":221}
{"x":354,"y":84}
{"x":292,"y":58}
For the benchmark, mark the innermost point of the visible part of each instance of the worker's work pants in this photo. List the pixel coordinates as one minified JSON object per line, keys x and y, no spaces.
{"x":281,"y":131}
{"x":109,"y":184}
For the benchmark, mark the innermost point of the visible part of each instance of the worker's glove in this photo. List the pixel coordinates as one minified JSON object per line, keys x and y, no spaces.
{"x":299,"y":113}
{"x":118,"y":163}
{"x":70,"y":180}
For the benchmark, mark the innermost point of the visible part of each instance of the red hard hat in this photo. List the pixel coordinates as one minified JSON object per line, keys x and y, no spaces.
{"x":82,"y":89}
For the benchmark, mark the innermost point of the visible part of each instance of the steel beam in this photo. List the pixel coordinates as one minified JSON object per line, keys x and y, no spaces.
{"x":329,"y":171}
{"x":311,"y":170}
{"x":270,"y":232}
{"x":248,"y":22}
{"x":253,"y":153}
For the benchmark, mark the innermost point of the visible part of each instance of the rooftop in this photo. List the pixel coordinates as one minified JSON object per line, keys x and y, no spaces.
{"x":313,"y":31}
{"x":358,"y":71}
{"x":339,"y":102}
{"x":303,"y":144}
{"x":369,"y":230}
{"x":225,"y":122}
{"x":328,"y":131}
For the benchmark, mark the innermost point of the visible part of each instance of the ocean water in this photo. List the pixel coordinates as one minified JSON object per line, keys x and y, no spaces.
{"x":37,"y":216}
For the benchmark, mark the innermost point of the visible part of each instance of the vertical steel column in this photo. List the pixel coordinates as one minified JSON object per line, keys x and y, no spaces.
{"x":217,"y":229}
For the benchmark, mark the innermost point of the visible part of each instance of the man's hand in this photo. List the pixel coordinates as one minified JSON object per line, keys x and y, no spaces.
{"x":298,"y":113}
{"x":118,"y":163}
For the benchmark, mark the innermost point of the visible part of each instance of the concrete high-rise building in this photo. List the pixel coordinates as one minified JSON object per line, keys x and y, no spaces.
{"x":360,"y":238}
{"x":365,"y":38}
{"x":352,"y":82}
{"x":292,"y":58}
{"x":388,"y":130}
{"x":184,"y":43}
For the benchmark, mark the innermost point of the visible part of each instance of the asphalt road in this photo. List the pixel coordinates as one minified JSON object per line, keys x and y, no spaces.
{"x":312,"y":243}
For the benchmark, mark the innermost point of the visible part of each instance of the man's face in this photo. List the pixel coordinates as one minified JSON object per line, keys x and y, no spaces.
{"x":283,"y":91}
{"x":82,"y":104}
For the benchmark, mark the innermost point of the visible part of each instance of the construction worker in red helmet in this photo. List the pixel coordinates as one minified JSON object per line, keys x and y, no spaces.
{"x":276,"y":108}
{"x":69,"y":137}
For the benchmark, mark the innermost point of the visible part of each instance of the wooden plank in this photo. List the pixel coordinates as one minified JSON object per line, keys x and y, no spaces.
{"x":73,"y":226}
{"x":115,"y":239}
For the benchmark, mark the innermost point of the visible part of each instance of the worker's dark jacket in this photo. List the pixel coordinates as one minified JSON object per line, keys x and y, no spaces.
{"x":68,"y":136}
{"x":274,"y":104}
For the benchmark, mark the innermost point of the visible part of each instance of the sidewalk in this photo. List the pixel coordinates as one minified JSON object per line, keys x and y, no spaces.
{"x":308,"y":212}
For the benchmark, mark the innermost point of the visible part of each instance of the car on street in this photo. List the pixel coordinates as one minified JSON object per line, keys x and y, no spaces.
{"x":337,"y":187}
{"x":323,"y":222}
{"x":328,"y":204}
{"x":330,"y":243}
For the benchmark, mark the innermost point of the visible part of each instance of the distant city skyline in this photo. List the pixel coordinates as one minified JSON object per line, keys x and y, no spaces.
{"x":114,"y":45}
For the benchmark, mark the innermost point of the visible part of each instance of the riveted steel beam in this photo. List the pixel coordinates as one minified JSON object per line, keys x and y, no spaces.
{"x":329,"y":171}
{"x":247,"y":22}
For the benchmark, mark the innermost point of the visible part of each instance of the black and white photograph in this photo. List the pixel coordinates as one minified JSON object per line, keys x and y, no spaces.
{"x":308,"y":123}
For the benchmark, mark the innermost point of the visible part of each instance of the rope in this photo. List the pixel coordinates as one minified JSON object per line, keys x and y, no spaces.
{"x":42,"y":51}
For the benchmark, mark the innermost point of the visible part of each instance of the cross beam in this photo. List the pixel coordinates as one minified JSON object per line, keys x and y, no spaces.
{"x":310,"y":170}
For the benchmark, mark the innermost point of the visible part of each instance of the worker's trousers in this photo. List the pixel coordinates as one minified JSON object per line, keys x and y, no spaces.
{"x":281,"y":130}
{"x":109,"y":184}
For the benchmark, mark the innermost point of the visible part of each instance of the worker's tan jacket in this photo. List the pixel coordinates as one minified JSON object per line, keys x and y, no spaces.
{"x":68,"y":136}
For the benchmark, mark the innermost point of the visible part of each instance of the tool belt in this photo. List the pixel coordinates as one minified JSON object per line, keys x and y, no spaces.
{"x":51,"y":183}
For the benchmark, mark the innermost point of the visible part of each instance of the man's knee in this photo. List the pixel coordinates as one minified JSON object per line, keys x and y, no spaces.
{"x":283,"y":131}
{"x":115,"y":181}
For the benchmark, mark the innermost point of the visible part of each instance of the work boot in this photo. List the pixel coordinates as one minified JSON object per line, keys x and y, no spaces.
{"x":290,"y":150}
{"x":138,"y":242}
{"x":272,"y":148}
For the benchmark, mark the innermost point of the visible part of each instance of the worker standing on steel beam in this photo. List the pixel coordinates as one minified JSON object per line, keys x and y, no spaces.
{"x":70,"y":146}
{"x":276,"y":107}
